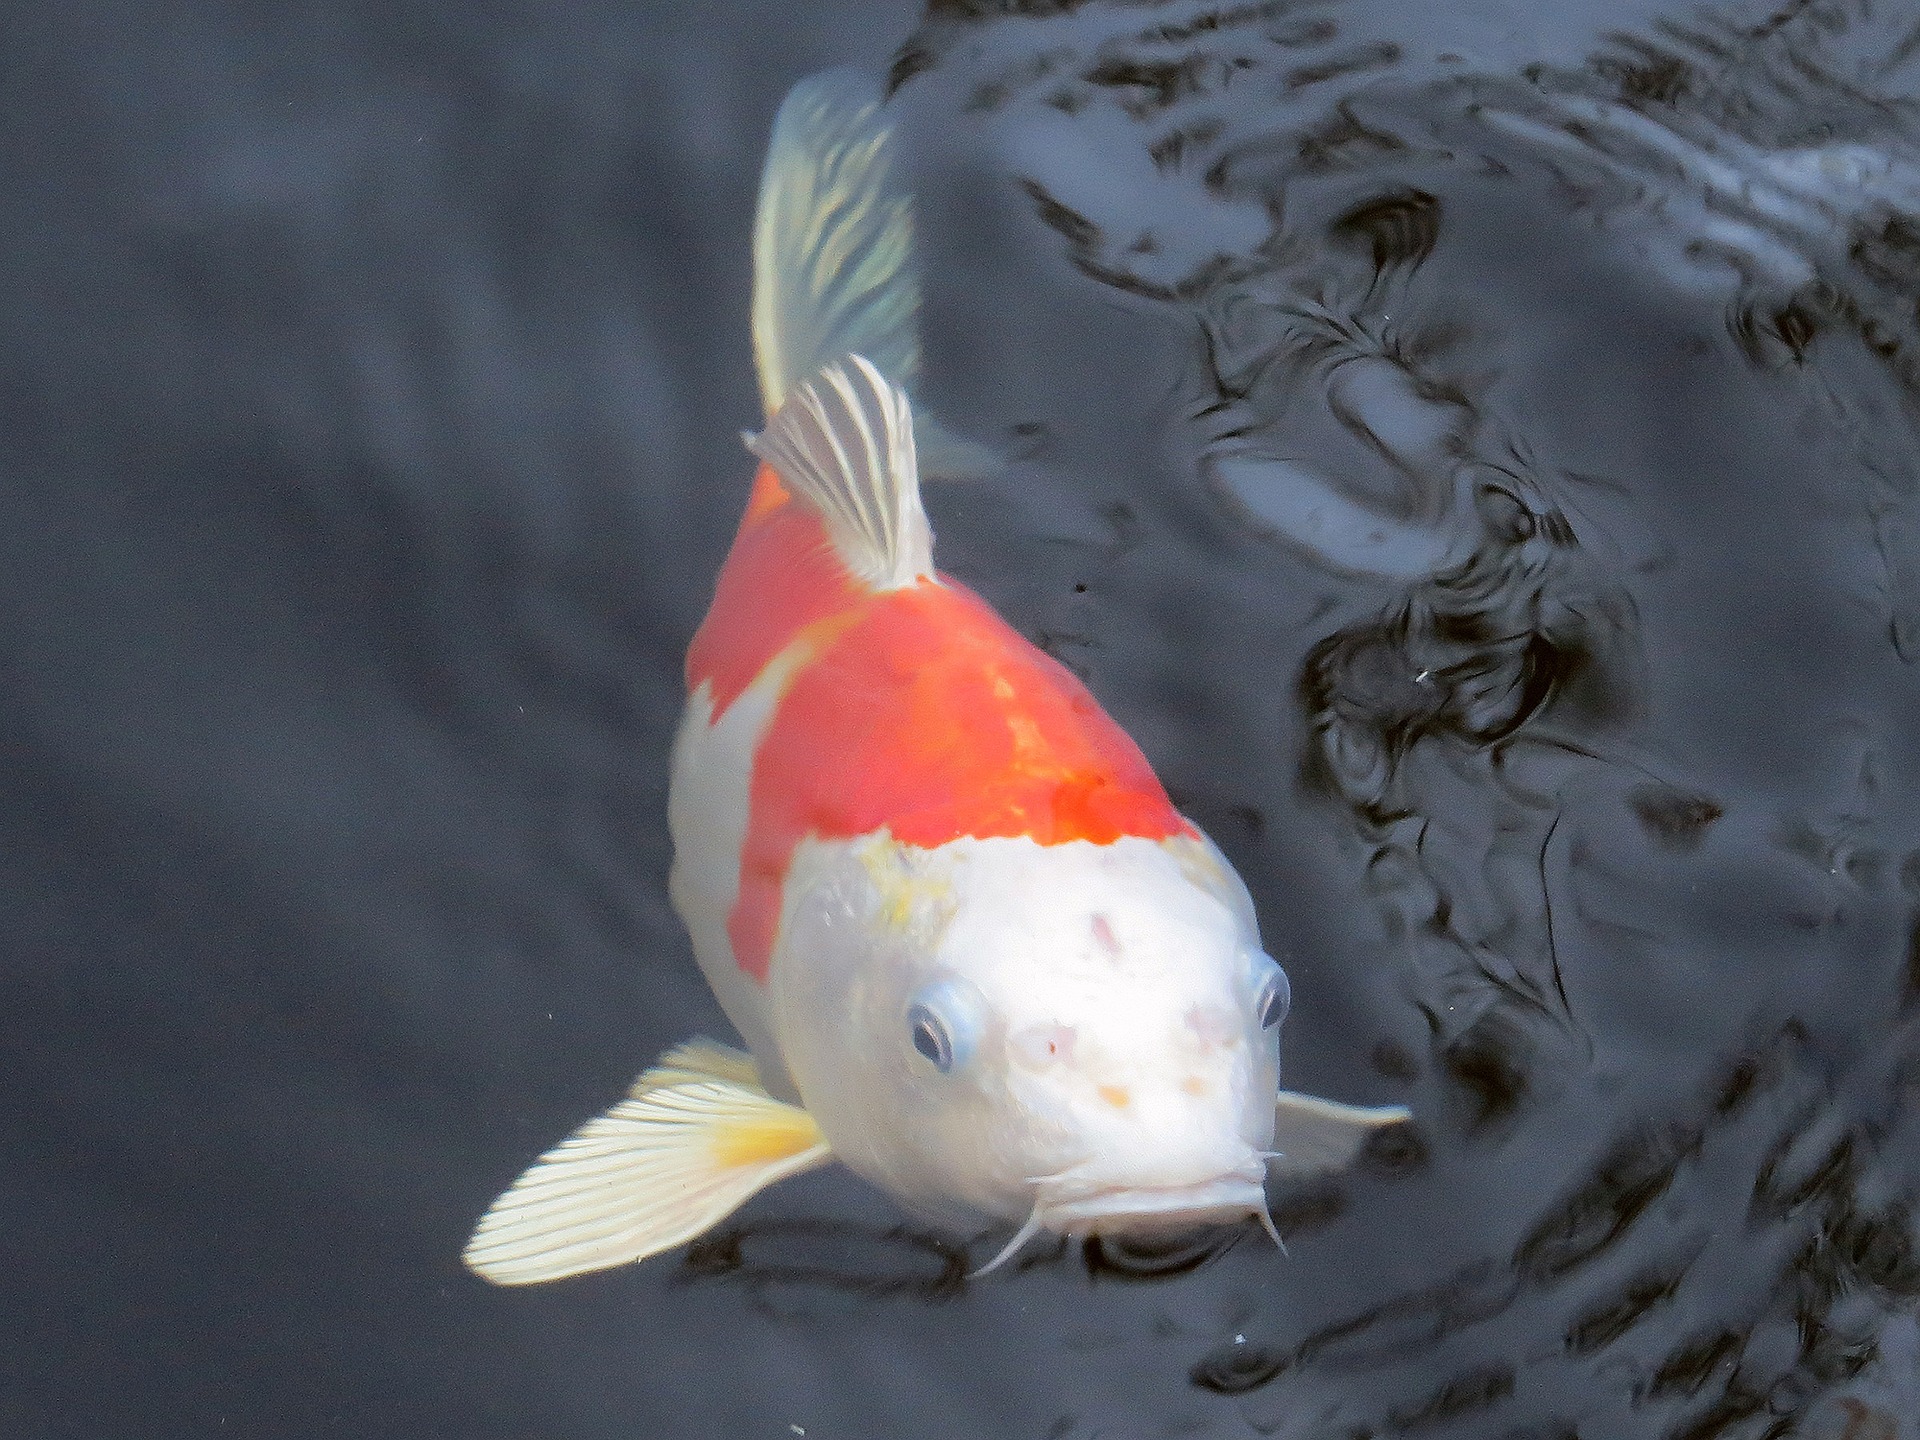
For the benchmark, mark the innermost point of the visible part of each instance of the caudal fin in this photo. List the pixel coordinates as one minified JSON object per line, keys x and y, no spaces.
{"x":834,"y":266}
{"x":833,"y":252}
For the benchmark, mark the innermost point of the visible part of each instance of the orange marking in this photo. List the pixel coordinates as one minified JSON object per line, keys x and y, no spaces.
{"x":1116,"y":1096}
{"x":780,"y":577}
{"x":922,"y":713}
{"x":769,"y":492}
{"x":900,"y":724}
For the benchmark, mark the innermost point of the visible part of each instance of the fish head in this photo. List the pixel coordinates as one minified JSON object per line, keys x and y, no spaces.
{"x":1083,"y":1037}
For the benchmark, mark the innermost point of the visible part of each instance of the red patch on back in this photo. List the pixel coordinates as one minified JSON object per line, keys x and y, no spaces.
{"x":932,"y":717}
{"x":780,"y":577}
{"x":923,"y":712}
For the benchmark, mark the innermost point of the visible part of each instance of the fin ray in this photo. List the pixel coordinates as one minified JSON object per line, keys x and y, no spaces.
{"x":844,"y":443}
{"x":695,"y":1137}
{"x":696,"y":1058}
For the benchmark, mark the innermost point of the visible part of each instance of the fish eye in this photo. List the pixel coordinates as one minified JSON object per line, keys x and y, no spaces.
{"x":930,"y":1037}
{"x":1276,"y":998}
{"x":943,"y":1021}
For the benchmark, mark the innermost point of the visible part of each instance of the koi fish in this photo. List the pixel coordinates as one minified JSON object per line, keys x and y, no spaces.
{"x":975,"y":953}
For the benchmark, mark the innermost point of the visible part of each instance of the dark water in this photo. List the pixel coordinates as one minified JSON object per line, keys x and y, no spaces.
{"x":1475,"y":452}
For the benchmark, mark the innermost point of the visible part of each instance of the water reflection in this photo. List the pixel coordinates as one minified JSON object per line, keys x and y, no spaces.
{"x":1504,"y":635}
{"x":829,"y":1256}
{"x":1676,"y":1325}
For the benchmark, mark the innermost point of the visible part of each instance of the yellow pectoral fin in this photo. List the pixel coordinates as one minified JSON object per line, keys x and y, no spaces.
{"x":693,"y":1140}
{"x":768,"y":1139}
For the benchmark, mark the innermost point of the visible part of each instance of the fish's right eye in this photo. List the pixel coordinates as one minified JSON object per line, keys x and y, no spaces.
{"x":944,"y":1022}
{"x":930,"y":1037}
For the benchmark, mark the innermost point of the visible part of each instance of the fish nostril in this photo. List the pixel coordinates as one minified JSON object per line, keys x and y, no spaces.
{"x":1103,"y":933}
{"x":1212,"y":1025}
{"x":1038,"y":1046}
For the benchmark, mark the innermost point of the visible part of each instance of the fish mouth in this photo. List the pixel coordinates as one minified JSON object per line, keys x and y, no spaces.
{"x":1076,"y":1208}
{"x":1134,"y":1208}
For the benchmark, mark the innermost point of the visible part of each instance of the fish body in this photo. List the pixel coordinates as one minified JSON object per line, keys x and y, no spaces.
{"x":974,"y":951}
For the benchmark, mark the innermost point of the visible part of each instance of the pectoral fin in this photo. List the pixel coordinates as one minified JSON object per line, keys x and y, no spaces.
{"x":1311,"y":1134}
{"x":695,"y":1137}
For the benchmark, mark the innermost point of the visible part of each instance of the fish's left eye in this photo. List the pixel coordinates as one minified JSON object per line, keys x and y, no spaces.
{"x":943,"y":1021}
{"x":1276,"y":998}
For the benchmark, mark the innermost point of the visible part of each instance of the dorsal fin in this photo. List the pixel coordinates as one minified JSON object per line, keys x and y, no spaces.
{"x":843,"y":442}
{"x":833,"y":267}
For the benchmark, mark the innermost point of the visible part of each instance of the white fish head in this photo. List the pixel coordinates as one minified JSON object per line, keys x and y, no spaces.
{"x":1083,"y":1037}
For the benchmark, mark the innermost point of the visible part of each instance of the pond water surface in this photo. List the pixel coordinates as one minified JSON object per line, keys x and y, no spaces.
{"x":1476,"y":453}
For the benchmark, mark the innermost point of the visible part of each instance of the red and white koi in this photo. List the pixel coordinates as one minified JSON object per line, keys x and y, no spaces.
{"x":975,"y":953}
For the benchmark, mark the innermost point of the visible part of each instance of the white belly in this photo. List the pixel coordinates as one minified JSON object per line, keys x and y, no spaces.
{"x":707,"y":813}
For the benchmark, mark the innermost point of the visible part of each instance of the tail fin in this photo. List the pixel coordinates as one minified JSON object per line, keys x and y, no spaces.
{"x":833,"y":262}
{"x":834,"y":269}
